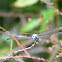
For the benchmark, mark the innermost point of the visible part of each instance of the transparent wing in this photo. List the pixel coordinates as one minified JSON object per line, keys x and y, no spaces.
{"x":48,"y":35}
{"x":18,"y":37}
{"x":51,"y":31}
{"x":20,"y":33}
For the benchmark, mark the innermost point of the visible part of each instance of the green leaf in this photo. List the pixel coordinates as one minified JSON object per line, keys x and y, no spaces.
{"x":24,"y":3}
{"x":30,"y":25}
{"x":47,"y":15}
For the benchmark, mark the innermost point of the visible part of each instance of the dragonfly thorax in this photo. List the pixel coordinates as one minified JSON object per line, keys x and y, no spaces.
{"x":34,"y":36}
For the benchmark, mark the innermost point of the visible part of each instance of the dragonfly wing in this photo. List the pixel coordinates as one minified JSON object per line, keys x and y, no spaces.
{"x":20,"y":38}
{"x":48,"y":35}
{"x":31,"y":41}
{"x":50,"y":31}
{"x":44,"y":40}
{"x":18,"y":33}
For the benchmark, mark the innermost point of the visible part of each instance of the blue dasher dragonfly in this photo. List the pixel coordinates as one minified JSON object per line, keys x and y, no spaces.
{"x":38,"y":36}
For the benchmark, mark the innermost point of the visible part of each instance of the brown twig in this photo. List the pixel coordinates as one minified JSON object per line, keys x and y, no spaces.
{"x":11,"y":45}
{"x":51,"y":5}
{"x":15,"y":52}
{"x":15,"y":39}
{"x":4,"y":58}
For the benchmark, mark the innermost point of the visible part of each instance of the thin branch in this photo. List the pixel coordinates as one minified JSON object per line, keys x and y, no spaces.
{"x":11,"y":45}
{"x":4,"y":58}
{"x":18,"y":51}
{"x":15,"y":39}
{"x":11,"y":14}
{"x":51,"y":5}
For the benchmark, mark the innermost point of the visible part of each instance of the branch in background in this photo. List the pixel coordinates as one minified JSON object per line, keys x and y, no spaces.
{"x":55,"y":40}
{"x":18,"y":60}
{"x":12,"y":14}
{"x":21,"y":16}
{"x":15,"y":39}
{"x":11,"y":45}
{"x":18,"y":51}
{"x":55,"y":48}
{"x":51,"y":5}
{"x":4,"y":58}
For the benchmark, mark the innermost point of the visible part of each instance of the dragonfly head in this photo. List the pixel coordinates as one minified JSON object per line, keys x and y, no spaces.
{"x":34,"y":36}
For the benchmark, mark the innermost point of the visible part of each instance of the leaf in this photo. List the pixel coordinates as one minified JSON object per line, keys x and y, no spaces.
{"x":35,"y":22}
{"x":47,"y":15}
{"x":24,"y":3}
{"x":30,"y":25}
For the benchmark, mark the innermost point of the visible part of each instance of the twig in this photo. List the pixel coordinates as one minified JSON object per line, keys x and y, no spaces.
{"x":15,"y":52}
{"x":4,"y":58}
{"x":18,"y":51}
{"x":11,"y":14}
{"x":18,"y":60}
{"x":11,"y":45}
{"x":51,"y":59}
{"x":15,"y":39}
{"x":50,"y":4}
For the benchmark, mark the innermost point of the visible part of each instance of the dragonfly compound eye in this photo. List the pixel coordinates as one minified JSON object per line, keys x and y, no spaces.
{"x":34,"y":36}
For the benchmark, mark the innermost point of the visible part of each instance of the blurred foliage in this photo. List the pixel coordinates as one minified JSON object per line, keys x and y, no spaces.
{"x":31,"y":16}
{"x":24,"y":3}
{"x":10,"y":60}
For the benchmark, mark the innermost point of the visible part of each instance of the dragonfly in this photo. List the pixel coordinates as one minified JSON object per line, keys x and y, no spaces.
{"x":46,"y":34}
{"x":41,"y":36}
